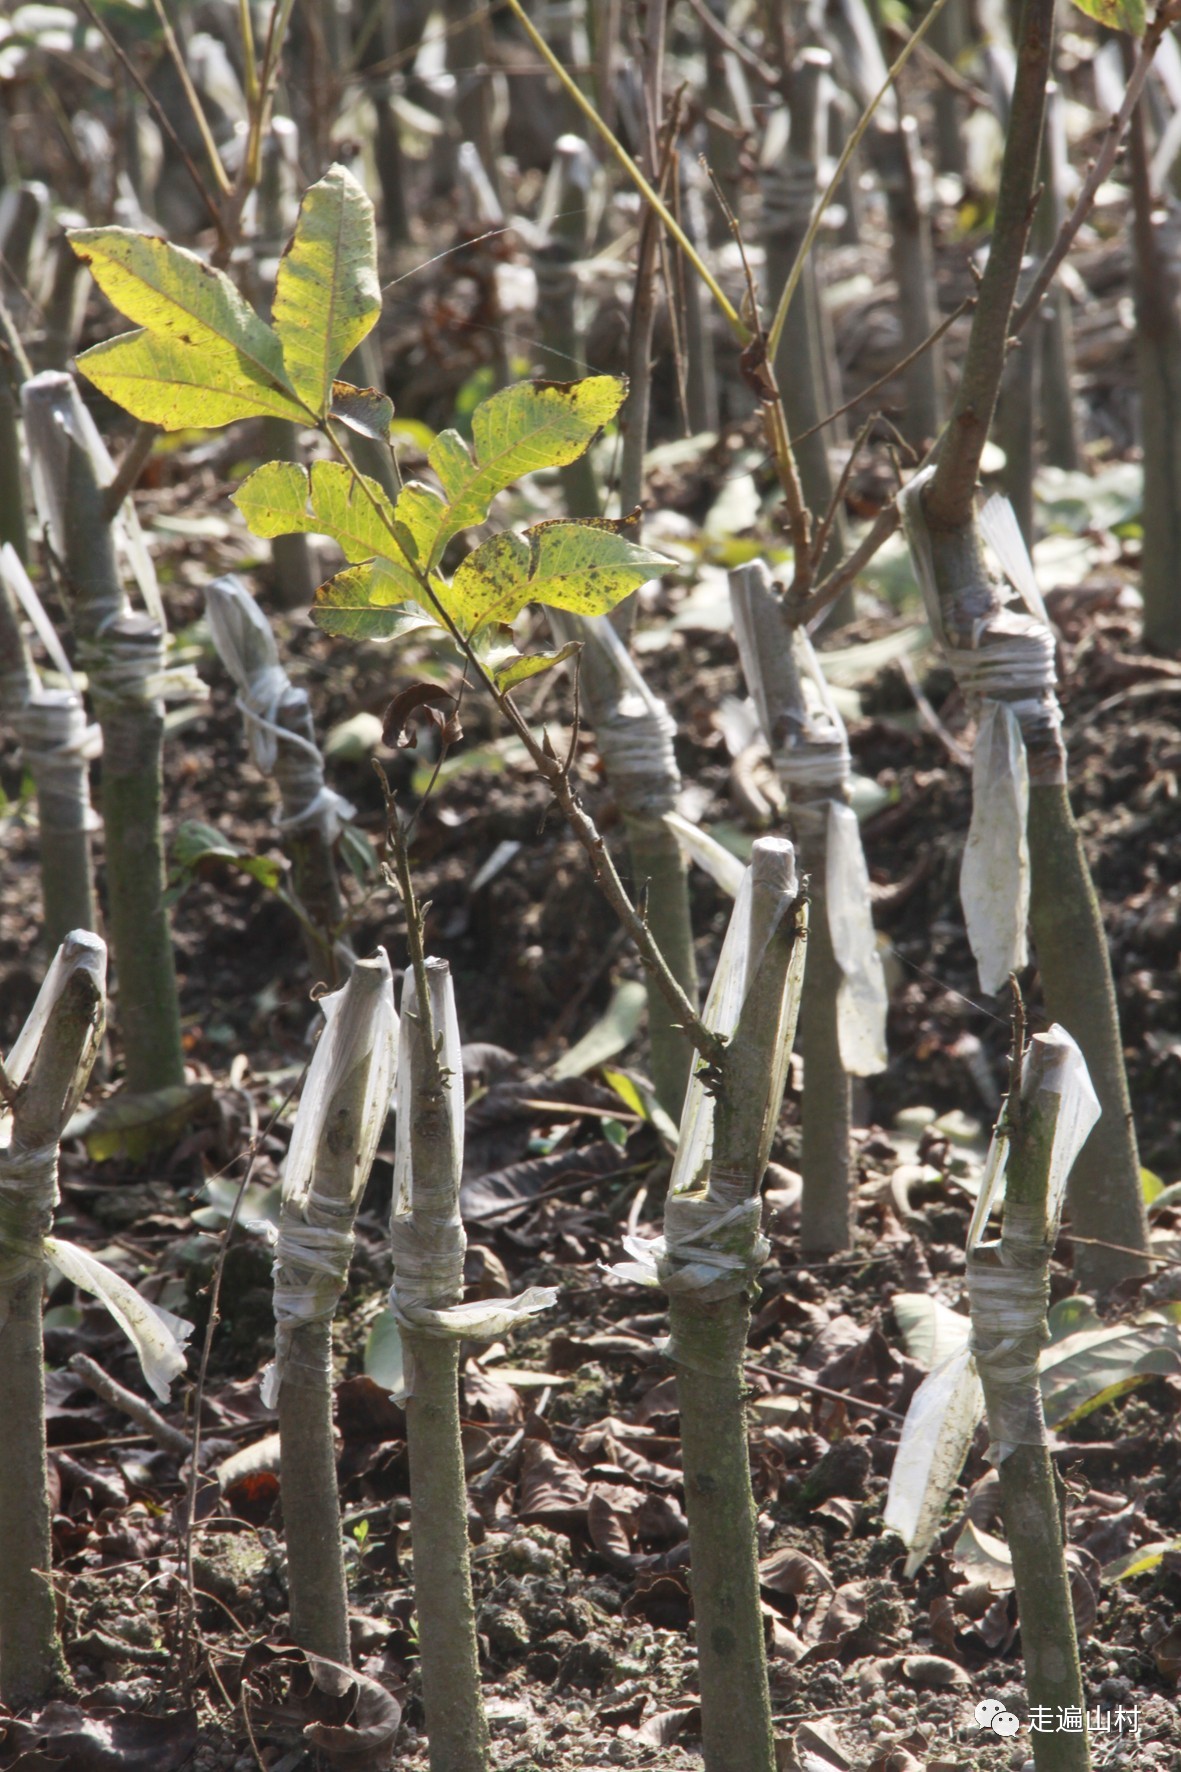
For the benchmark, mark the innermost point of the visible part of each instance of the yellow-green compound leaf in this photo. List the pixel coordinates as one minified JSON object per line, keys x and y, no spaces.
{"x":165,"y":383}
{"x":1117,"y":15}
{"x":585,"y":567}
{"x":531,"y":665}
{"x":522,"y":429}
{"x":282,"y":498}
{"x":367,"y":603}
{"x":418,"y":516}
{"x":327,"y":296}
{"x":187,"y":305}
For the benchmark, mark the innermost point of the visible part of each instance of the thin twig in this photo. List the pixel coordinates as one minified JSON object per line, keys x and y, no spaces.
{"x":135,"y":460}
{"x":170,"y":1438}
{"x":822,"y":1390}
{"x":932,"y":338}
{"x":927,"y":714}
{"x":830,"y":588}
{"x":404,"y":880}
{"x":838,"y":493}
{"x":189,"y":1514}
{"x":1122,"y":1249}
{"x":758,"y":67}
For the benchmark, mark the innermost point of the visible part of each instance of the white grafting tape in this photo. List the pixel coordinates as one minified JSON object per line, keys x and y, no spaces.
{"x":425,"y":1230}
{"x":994,"y":871}
{"x":157,"y":1336}
{"x":1008,"y":1284}
{"x":315,"y":1239}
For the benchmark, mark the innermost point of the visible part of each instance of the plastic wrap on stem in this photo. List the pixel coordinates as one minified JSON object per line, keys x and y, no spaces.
{"x":948,"y":1404}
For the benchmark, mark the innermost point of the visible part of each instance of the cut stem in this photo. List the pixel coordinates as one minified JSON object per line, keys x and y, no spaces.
{"x":32,"y":1665}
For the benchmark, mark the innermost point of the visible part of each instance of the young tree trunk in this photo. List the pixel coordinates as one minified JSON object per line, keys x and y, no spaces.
{"x":294,"y":576}
{"x":32,"y":1665}
{"x":826,"y":1207}
{"x":121,"y":664}
{"x":308,"y":833}
{"x":560,"y":348}
{"x":966,"y":605}
{"x":1017,"y":409}
{"x":634,"y":733}
{"x":634,"y":418}
{"x":1056,"y":332}
{"x":1158,"y":361}
{"x":311,"y":1269}
{"x":282,"y":740}
{"x":728,"y":1624}
{"x":18,"y":674}
{"x":810,"y":752}
{"x":56,"y":742}
{"x":701,"y":382}
{"x":316,"y":1581}
{"x":709,"y":1319}
{"x":1009,"y":1289}
{"x":949,"y":38}
{"x":123,"y":655}
{"x":789,"y":193}
{"x":1106,"y":1198}
{"x":906,"y":181}
{"x":428,"y":1245}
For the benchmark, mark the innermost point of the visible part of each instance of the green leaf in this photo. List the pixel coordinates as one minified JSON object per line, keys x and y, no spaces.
{"x":327,"y":296}
{"x":164,"y":382}
{"x":1094,"y":1366}
{"x":531,"y":665}
{"x":586,"y":567}
{"x":1117,"y":15}
{"x":363,"y":410}
{"x":282,"y":498}
{"x":418,"y":516}
{"x":522,"y":429}
{"x":195,"y":843}
{"x":193,"y":312}
{"x":368,"y":602}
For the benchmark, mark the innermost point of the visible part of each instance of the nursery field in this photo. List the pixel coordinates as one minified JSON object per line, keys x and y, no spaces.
{"x":525,"y":758}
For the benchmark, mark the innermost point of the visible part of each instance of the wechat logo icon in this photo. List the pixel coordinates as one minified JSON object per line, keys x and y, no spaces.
{"x":991,"y":1714}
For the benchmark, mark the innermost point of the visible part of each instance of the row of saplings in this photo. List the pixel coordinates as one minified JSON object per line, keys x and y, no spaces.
{"x":369,"y":1059}
{"x":710,"y":1254}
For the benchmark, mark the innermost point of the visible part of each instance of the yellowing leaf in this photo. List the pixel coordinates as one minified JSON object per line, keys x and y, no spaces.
{"x":518,"y":431}
{"x":367,"y":603}
{"x":531,"y":664}
{"x":586,"y":567}
{"x":418,"y":518}
{"x":195,"y":310}
{"x":164,"y":382}
{"x":1117,"y":15}
{"x":282,"y":498}
{"x":327,"y":296}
